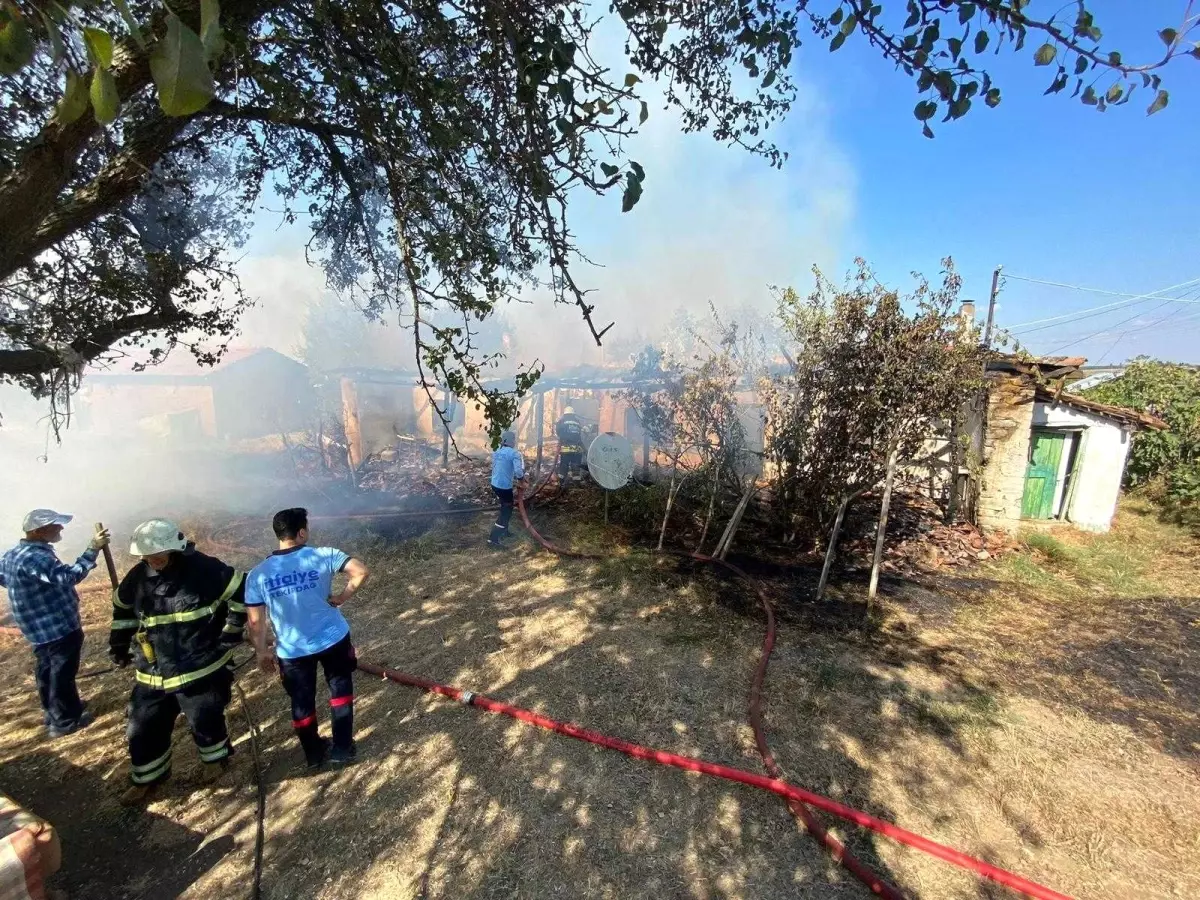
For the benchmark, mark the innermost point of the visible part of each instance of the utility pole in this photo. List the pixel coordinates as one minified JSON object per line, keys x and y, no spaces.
{"x":987,"y":331}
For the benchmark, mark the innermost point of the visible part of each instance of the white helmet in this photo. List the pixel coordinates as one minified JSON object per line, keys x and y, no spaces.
{"x":156,"y":536}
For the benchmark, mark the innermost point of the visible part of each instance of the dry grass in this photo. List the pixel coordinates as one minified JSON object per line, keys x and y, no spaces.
{"x":955,"y":721}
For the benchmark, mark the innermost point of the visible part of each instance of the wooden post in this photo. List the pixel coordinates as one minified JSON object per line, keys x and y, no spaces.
{"x":882,"y":529}
{"x":448,"y":413}
{"x":735,"y":520}
{"x":354,"y":448}
{"x":955,"y":465}
{"x":831,"y":550}
{"x":645,"y":453}
{"x":606,"y":493}
{"x":539,"y":417}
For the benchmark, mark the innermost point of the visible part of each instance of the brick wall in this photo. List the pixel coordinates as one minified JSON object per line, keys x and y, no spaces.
{"x":1005,"y":451}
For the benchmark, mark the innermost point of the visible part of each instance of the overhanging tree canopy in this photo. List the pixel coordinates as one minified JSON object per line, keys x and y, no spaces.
{"x":432,"y":144}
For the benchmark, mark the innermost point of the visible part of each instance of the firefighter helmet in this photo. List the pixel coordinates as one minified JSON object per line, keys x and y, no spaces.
{"x":156,"y":536}
{"x":569,"y":411}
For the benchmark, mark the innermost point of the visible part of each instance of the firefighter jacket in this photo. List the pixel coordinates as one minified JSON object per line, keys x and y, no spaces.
{"x":569,"y":431}
{"x":181,"y":624}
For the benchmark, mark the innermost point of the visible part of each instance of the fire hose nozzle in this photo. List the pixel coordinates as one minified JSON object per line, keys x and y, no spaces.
{"x":466,"y":698}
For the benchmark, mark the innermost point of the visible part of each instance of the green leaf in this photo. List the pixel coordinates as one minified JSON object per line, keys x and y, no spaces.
{"x":16,"y":44}
{"x":769,"y":80}
{"x":925,"y":110}
{"x":211,"y":35}
{"x":105,"y":100}
{"x":849,"y":25}
{"x":1081,"y":65}
{"x":609,"y":169}
{"x":1045,"y":55}
{"x":99,"y":46}
{"x":1089,"y":96}
{"x":1060,"y":82}
{"x":177,"y":64}
{"x":644,"y":114}
{"x":992,"y":98}
{"x":965,"y":12}
{"x":927,"y":131}
{"x":1114,"y":58}
{"x":835,"y":17}
{"x":836,"y":43}
{"x":955,"y":46}
{"x":638,"y":172}
{"x":632,"y":194}
{"x":914,"y":15}
{"x":631,"y":80}
{"x":75,"y":99}
{"x":1114,"y":93}
{"x":1169,"y":36}
{"x":981,"y":41}
{"x":130,"y":22}
{"x":1160,"y":103}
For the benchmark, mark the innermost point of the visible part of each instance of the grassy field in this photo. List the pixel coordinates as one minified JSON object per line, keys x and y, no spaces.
{"x":1039,"y":711}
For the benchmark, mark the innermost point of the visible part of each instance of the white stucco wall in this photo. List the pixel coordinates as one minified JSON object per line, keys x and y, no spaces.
{"x":1100,"y":467}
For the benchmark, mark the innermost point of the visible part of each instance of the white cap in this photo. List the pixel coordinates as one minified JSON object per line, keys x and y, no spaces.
{"x":40,"y":518}
{"x":156,"y":536}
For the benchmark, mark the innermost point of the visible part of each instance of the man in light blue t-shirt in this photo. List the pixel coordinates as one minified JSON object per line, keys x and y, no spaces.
{"x":508,"y":473}
{"x":294,"y":585}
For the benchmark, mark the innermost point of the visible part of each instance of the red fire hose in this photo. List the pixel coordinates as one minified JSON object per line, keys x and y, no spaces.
{"x":797,"y":798}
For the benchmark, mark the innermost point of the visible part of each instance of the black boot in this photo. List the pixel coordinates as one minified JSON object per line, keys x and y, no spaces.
{"x":496,"y":535}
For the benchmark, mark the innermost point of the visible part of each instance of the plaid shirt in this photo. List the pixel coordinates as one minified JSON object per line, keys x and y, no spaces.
{"x":41,"y":590}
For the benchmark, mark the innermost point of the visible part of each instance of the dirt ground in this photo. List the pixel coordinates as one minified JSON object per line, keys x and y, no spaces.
{"x":1040,"y":712}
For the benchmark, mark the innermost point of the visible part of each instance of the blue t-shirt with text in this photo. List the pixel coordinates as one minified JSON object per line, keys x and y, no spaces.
{"x":295,"y":585}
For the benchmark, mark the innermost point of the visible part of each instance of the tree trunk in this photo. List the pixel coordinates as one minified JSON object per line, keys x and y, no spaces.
{"x":831,"y":550}
{"x":662,"y":531}
{"x":712,"y":503}
{"x":882,"y":529}
{"x":734,"y":521}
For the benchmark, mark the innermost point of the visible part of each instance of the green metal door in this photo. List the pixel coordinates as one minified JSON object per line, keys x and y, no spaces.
{"x":1041,"y":477}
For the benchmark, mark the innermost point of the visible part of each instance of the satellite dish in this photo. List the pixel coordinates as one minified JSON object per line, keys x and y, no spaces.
{"x":610,"y":460}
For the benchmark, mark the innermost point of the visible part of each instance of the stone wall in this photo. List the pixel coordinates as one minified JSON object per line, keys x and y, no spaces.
{"x":1005,"y":450}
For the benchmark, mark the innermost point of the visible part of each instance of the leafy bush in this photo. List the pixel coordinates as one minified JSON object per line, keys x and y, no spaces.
{"x":1171,"y":392}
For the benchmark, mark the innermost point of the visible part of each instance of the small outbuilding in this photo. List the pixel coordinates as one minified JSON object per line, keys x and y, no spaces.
{"x":250,"y":393}
{"x":1051,"y":456}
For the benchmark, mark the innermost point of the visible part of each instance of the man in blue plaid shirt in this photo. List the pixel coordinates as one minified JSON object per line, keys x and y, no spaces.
{"x":45,"y":605}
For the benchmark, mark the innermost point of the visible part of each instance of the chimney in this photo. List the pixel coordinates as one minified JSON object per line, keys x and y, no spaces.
{"x":967,"y":313}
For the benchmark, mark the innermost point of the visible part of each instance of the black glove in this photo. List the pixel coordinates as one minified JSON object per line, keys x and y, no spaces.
{"x":120,"y":658}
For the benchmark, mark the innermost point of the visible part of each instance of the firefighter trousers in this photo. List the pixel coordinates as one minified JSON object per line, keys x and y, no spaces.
{"x":299,"y":676}
{"x":152,"y":715}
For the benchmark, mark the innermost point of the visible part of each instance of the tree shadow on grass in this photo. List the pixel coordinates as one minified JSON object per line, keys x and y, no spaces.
{"x":109,"y":853}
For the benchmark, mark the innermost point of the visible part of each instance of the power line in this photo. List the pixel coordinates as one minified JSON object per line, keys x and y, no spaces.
{"x":1097,"y":310}
{"x":1073,"y":287}
{"x":1103,"y":330}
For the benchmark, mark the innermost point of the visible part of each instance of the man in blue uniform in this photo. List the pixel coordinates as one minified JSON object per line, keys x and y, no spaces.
{"x":508,"y":472}
{"x":294,"y":587}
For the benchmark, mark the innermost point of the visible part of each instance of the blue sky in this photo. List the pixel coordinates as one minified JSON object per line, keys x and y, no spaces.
{"x":1043,"y":185}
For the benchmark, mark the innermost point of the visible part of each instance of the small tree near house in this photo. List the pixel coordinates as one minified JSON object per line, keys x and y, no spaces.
{"x":691,"y":415}
{"x":871,"y":373}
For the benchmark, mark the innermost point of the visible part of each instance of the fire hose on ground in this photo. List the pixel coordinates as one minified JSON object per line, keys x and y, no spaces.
{"x":796,"y":797}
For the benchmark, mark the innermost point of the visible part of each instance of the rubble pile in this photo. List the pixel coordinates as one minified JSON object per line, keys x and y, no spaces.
{"x":411,"y":473}
{"x":918,"y":539}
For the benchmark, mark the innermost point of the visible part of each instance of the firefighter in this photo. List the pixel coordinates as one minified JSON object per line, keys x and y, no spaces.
{"x":177,"y":616}
{"x":569,"y":431}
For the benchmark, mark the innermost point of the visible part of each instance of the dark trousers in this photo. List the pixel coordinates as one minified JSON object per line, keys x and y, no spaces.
{"x":152,"y":715}
{"x":568,"y":460}
{"x":507,"y":499}
{"x":299,"y":677}
{"x":57,"y":666}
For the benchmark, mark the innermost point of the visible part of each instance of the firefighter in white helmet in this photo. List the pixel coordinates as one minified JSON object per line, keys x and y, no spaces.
{"x":177,"y":615}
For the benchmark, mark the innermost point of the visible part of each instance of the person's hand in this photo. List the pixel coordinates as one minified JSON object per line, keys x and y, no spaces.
{"x":100,"y":539}
{"x":267,"y":663}
{"x":338,"y":599}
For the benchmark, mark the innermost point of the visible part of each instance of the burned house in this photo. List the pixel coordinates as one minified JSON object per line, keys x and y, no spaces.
{"x":1047,"y":455}
{"x":250,"y":393}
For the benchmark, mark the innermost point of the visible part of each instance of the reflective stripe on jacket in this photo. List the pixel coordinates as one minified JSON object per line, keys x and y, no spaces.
{"x":190,"y":616}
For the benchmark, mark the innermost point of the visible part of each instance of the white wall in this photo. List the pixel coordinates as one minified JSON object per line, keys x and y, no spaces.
{"x":1100,"y":466}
